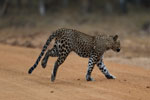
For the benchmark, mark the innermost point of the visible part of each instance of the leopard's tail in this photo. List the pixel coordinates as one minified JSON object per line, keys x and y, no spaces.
{"x":55,"y":34}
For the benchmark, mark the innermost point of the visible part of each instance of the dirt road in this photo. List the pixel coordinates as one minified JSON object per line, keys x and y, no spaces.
{"x":132,"y":83}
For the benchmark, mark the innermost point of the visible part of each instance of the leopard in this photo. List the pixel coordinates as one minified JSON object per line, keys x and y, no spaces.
{"x":86,"y":46}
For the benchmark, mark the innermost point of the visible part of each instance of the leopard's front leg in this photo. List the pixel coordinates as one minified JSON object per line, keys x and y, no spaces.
{"x":91,"y":63}
{"x":104,"y":70}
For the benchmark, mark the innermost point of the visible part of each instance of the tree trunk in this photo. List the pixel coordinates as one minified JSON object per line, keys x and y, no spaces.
{"x":109,"y":7}
{"x":123,"y":6}
{"x":19,"y":2}
{"x":2,"y":2}
{"x":65,"y":3}
{"x":85,"y":6}
{"x":4,"y":8}
{"x":42,"y":8}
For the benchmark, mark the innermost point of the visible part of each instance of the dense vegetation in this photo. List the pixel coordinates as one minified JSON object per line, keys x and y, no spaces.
{"x":83,"y":6}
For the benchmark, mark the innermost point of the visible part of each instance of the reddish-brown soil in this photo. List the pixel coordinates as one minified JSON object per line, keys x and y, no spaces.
{"x":132,"y":83}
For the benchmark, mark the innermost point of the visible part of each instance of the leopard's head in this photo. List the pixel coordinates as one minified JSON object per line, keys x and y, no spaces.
{"x":115,"y":44}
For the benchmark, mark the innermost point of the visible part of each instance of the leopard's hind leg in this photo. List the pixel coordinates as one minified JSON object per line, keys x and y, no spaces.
{"x":64,"y":48}
{"x":59,"y":61}
{"x":52,"y":52}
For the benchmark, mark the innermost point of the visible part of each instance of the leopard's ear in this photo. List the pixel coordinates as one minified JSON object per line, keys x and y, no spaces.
{"x":115,"y":37}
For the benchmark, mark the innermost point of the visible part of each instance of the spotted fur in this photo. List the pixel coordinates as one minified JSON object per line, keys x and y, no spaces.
{"x":92,"y":47}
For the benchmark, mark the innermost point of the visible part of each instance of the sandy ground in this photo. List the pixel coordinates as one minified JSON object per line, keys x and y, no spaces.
{"x":132,"y":83}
